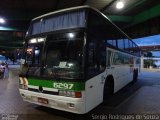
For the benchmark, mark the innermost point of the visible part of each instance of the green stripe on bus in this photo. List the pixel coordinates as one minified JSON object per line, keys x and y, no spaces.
{"x":74,"y":86}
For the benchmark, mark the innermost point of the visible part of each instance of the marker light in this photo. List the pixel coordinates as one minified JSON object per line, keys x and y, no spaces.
{"x":2,"y":20}
{"x":33,"y":40}
{"x":70,"y":64}
{"x":40,"y":39}
{"x":120,"y":5}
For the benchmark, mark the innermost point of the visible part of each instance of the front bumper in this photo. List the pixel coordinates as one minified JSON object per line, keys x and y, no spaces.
{"x":74,"y":105}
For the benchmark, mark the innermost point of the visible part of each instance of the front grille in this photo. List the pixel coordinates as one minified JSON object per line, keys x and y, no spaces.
{"x":44,"y":91}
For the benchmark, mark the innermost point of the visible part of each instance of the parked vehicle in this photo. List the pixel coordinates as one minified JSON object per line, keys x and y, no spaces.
{"x":2,"y":59}
{"x":3,"y":66}
{"x":2,"y":70}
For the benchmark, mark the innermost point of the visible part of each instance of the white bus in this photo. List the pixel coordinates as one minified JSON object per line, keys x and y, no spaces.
{"x":75,"y":59}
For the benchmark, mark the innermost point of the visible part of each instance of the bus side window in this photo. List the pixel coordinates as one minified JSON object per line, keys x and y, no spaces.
{"x":102,"y":57}
{"x":96,"y":58}
{"x":118,"y":59}
{"x":137,"y":61}
{"x":108,"y":57}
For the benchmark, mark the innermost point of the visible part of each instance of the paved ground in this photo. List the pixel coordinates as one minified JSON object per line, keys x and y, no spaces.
{"x":135,"y":100}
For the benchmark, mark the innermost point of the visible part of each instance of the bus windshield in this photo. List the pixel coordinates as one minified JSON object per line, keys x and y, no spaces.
{"x":64,"y":59}
{"x":33,"y":56}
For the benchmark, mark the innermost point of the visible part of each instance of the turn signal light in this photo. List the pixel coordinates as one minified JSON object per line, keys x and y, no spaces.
{"x":25,"y":87}
{"x":78,"y":94}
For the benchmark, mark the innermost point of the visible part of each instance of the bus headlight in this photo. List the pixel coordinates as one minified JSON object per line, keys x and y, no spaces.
{"x":70,"y":94}
{"x":62,"y":93}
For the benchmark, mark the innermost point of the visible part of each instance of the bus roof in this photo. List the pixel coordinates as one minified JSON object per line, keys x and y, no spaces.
{"x":79,"y":8}
{"x":65,"y":10}
{"x":74,"y":9}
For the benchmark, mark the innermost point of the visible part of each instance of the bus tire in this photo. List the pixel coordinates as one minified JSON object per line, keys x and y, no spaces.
{"x":1,"y":75}
{"x":135,"y":75}
{"x":108,"y":90}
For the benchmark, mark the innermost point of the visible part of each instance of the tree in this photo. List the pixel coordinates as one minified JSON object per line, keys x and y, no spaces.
{"x":149,"y":61}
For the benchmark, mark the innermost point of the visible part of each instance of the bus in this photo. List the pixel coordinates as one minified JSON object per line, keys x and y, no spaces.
{"x":75,"y":59}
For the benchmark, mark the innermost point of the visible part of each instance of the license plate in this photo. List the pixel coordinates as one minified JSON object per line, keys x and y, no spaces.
{"x":43,"y":100}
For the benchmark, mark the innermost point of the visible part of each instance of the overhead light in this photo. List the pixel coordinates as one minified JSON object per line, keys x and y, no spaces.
{"x":120,"y":5}
{"x":2,"y":20}
{"x":37,"y":52}
{"x":71,"y":35}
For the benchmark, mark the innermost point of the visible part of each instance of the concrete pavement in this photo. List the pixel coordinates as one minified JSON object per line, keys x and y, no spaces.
{"x":140,"y":98}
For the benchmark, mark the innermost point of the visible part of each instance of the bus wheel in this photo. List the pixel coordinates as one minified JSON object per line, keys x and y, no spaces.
{"x":1,"y":75}
{"x":108,"y":89}
{"x":135,"y":75}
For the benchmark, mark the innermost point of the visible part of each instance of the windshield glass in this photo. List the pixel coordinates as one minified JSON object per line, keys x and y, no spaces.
{"x":57,"y":56}
{"x":34,"y":51}
{"x":64,"y":58}
{"x":33,"y":56}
